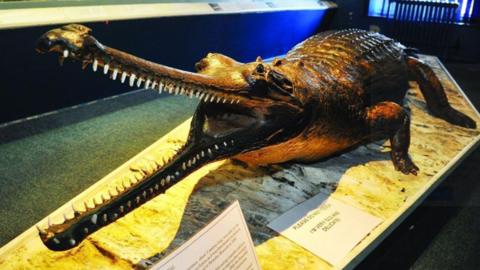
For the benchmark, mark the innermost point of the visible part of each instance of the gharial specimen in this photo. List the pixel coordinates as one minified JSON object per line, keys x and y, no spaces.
{"x":335,"y":90}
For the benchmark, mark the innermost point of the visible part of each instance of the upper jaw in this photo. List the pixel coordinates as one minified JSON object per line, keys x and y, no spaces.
{"x":138,"y":72}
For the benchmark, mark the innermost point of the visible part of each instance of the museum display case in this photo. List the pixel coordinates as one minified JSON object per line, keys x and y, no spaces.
{"x":323,"y":148}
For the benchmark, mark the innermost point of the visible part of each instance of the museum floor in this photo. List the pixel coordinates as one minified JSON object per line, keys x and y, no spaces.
{"x":79,"y":145}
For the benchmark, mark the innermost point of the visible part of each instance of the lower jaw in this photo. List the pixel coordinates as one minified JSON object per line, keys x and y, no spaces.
{"x":184,"y":163}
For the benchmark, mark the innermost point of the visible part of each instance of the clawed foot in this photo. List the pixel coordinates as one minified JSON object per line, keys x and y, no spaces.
{"x":403,"y":163}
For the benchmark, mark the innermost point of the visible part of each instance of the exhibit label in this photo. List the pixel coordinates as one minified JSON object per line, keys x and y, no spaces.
{"x":325,"y":226}
{"x":225,"y":243}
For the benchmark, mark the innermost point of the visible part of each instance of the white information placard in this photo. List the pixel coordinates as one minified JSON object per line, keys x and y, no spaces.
{"x":225,"y":243}
{"x":325,"y":226}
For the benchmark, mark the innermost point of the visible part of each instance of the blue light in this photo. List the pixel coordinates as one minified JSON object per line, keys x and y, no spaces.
{"x":385,"y":8}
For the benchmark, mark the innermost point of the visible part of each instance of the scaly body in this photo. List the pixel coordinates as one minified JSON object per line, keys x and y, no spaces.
{"x":331,"y":92}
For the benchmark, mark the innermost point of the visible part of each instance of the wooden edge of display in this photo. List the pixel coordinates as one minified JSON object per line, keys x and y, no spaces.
{"x":388,"y":226}
{"x":17,"y":17}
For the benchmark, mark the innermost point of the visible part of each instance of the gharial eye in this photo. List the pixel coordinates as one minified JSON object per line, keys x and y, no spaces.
{"x":260,"y":69}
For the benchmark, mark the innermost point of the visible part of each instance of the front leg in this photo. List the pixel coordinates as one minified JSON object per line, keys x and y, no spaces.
{"x":388,"y":119}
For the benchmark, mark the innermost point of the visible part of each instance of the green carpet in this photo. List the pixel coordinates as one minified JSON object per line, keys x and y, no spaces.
{"x":46,"y":161}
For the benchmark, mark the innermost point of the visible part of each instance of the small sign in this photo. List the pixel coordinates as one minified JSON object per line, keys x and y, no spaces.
{"x":325,"y":226}
{"x":225,"y":243}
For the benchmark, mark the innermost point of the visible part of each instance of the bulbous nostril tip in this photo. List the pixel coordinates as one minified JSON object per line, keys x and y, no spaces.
{"x":44,"y":44}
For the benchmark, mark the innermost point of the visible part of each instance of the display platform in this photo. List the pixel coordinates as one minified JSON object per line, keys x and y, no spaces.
{"x":363,"y":178}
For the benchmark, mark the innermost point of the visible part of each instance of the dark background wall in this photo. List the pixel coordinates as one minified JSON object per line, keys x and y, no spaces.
{"x":464,"y":46}
{"x":33,"y":83}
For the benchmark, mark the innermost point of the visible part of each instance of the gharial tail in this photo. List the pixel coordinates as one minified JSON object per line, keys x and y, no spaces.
{"x":434,"y":94}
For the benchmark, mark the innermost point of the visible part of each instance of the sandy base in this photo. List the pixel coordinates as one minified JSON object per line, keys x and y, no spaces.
{"x":364,"y":178}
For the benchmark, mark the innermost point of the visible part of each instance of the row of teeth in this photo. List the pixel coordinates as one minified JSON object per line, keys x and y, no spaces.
{"x":160,"y":85}
{"x":129,"y":183}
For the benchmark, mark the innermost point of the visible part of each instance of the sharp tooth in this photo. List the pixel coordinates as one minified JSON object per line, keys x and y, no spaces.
{"x":216,"y":147}
{"x":139,"y":82}
{"x":72,"y":242}
{"x":94,"y":219}
{"x":169,"y":88}
{"x":147,"y":84}
{"x":154,"y":84}
{"x":232,"y":142}
{"x":182,"y":91}
{"x":202,"y":153}
{"x":177,"y":89}
{"x":218,"y":99}
{"x":104,"y":217}
{"x":124,"y":76}
{"x":85,"y":230}
{"x":177,"y":173}
{"x":209,"y":151}
{"x":105,"y":68}
{"x":157,"y":186}
{"x":137,"y":199}
{"x":97,"y":203}
{"x":232,"y":101}
{"x":115,"y":73}
{"x":183,"y":166}
{"x":162,"y":182}
{"x":194,"y":160}
{"x":191,"y":94}
{"x":225,"y":143}
{"x":169,"y":178}
{"x":129,"y":204}
{"x":40,"y":231}
{"x":198,"y":156}
{"x":224,"y":100}
{"x":65,"y":53}
{"x":201,"y":96}
{"x":212,"y":98}
{"x":197,"y":94}
{"x":85,"y":64}
{"x":56,"y":240}
{"x":238,"y":101}
{"x":95,"y":65}
{"x":132,"y":79}
{"x":122,"y":208}
{"x":144,"y":194}
{"x":189,"y":163}
{"x":160,"y":88}
{"x":206,"y":97}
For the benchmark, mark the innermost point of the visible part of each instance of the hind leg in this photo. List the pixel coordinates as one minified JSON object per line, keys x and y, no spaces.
{"x":434,"y":94}
{"x":388,"y":119}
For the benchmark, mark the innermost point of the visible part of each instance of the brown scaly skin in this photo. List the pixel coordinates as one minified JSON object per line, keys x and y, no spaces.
{"x":331,"y":92}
